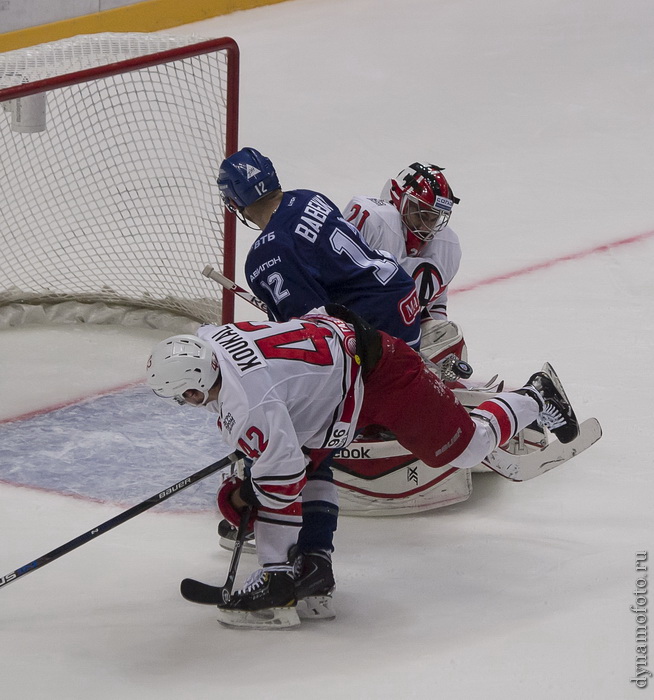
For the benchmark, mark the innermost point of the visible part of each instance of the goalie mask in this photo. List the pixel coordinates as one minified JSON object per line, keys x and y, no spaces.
{"x":244,"y":178}
{"x":181,"y":363}
{"x":424,"y":199}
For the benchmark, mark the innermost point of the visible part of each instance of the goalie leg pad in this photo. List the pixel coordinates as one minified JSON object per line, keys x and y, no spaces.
{"x":441,"y":338}
{"x":496,"y":422}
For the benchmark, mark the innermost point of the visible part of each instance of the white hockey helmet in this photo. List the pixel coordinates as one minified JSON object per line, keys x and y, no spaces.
{"x":180,"y":363}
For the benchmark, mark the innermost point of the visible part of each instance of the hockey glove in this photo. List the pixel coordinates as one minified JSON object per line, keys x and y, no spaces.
{"x":225,"y":505}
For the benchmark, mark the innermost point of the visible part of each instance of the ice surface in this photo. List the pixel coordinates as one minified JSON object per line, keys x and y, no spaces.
{"x":542,"y":114}
{"x":120,"y":447}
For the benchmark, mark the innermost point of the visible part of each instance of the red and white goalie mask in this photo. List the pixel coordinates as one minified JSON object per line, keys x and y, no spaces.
{"x":424,"y":199}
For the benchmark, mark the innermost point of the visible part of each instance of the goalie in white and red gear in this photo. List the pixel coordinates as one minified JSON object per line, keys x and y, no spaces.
{"x":411,"y":222}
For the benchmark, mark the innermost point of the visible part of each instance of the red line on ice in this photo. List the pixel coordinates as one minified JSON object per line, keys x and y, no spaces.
{"x":603,"y":248}
{"x":72,"y":402}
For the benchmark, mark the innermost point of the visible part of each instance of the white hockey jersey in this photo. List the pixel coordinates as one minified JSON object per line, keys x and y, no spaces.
{"x":285,"y":386}
{"x":381,"y":225}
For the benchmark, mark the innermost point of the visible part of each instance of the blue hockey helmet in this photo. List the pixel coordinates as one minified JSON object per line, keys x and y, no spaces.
{"x":245,"y":177}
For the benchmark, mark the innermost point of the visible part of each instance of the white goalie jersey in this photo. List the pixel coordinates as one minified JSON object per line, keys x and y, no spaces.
{"x":380,"y":223}
{"x":285,"y":386}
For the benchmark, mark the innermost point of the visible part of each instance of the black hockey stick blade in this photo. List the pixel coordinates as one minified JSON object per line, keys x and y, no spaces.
{"x":206,"y":594}
{"x":119,"y":519}
{"x":203,"y":593}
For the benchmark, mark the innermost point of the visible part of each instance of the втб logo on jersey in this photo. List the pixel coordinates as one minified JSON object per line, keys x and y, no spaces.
{"x":243,"y":354}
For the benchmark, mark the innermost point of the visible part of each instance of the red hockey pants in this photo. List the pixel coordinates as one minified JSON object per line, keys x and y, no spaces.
{"x":401,"y":394}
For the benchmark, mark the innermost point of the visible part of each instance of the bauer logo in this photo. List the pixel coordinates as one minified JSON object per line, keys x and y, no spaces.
{"x":176,"y":487}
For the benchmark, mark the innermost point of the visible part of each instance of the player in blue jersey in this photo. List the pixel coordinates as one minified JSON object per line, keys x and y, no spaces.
{"x":305,"y":257}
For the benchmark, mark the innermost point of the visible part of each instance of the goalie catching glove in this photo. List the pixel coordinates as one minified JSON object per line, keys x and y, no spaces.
{"x":224,"y":497}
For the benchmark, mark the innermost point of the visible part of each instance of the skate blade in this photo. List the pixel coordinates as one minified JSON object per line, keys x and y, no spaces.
{"x":316,"y":607}
{"x":549,"y":371}
{"x":268,"y":618}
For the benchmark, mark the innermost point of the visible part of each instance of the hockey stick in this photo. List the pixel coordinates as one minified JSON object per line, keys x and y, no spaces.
{"x":119,"y":519}
{"x":233,"y":287}
{"x":205,"y":593}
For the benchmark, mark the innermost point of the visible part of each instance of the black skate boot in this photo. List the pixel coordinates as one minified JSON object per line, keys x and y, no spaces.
{"x":267,"y":600}
{"x":556,"y":413}
{"x":227,"y":533}
{"x":314,"y":583}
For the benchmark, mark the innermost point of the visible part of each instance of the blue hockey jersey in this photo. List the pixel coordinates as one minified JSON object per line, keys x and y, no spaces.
{"x":308,"y":255}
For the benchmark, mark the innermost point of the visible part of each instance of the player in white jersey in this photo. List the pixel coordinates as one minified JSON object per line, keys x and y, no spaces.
{"x":287,"y":394}
{"x":411,"y":222}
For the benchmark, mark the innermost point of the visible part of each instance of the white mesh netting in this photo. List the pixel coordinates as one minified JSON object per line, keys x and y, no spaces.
{"x":115,"y":200}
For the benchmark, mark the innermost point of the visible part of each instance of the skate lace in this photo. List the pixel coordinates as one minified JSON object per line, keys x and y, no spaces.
{"x":551,"y":417}
{"x":253,"y":581}
{"x":257,"y":579}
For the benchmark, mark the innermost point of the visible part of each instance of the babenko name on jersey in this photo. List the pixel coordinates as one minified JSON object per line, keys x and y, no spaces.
{"x":314,"y":216}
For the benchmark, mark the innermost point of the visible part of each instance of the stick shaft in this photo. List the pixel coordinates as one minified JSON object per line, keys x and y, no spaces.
{"x":233,"y":287}
{"x":118,"y":520}
{"x":236,"y":554}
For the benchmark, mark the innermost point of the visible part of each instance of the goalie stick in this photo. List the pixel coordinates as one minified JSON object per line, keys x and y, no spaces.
{"x":119,"y":519}
{"x":205,"y":593}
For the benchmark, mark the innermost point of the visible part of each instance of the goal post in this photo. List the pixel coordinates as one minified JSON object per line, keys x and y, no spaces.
{"x":110,"y":147}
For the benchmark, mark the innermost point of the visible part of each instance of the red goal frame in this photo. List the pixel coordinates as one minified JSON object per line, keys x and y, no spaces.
{"x":225,"y":44}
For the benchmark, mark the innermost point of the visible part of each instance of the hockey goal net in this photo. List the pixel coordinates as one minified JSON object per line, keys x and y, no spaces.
{"x":110,"y":146}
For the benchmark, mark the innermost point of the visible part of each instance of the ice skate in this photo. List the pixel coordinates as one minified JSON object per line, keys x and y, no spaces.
{"x":227,"y":534}
{"x":314,"y":584}
{"x":266,"y":601}
{"x":557,"y":414}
